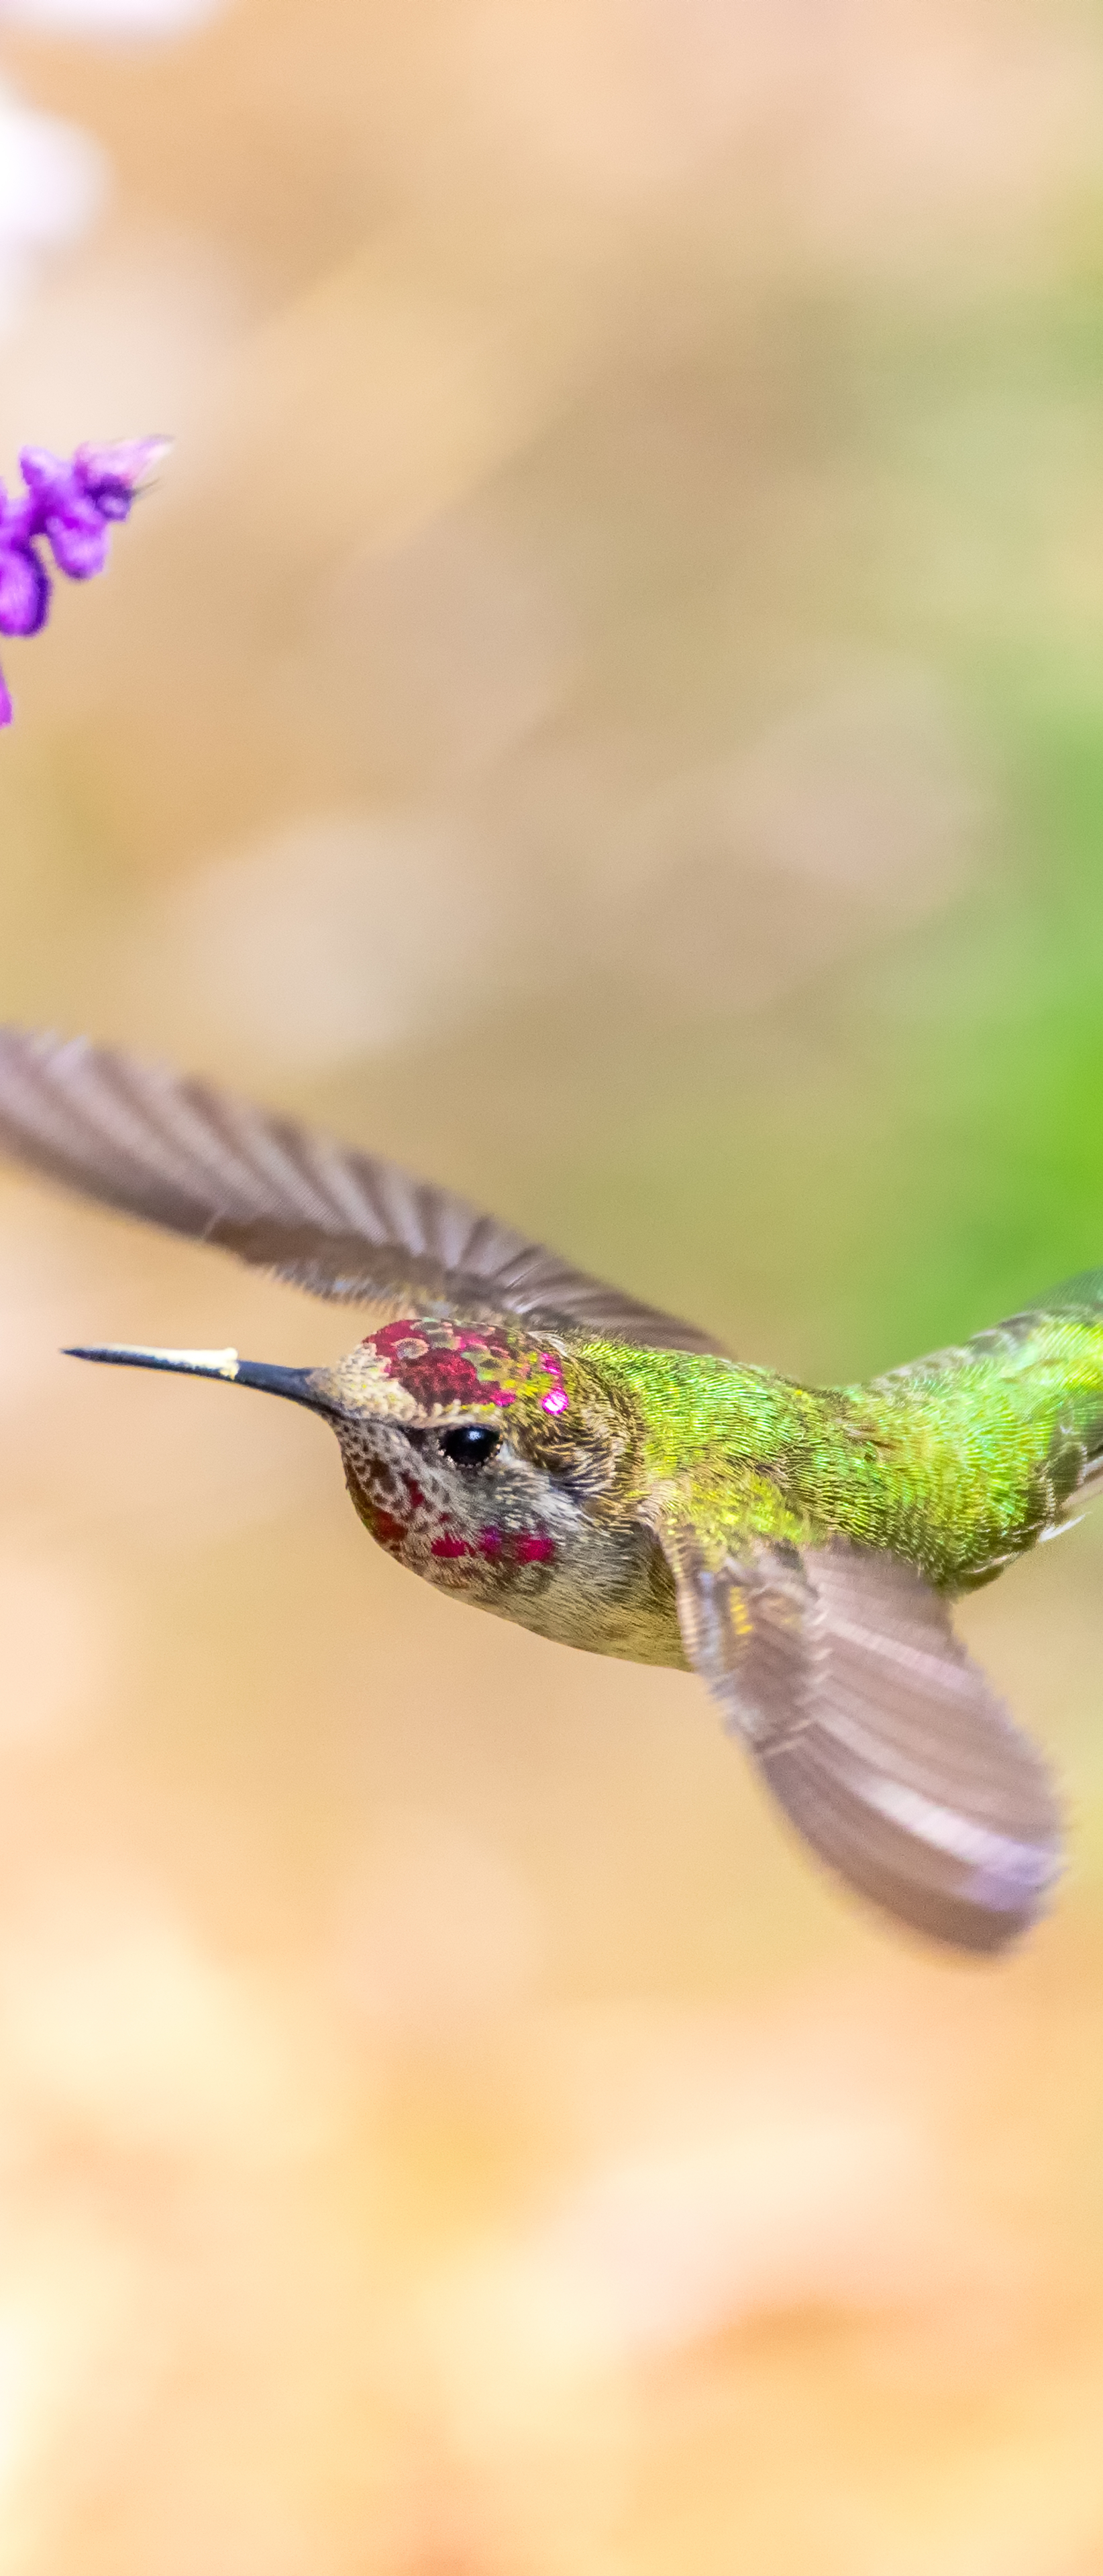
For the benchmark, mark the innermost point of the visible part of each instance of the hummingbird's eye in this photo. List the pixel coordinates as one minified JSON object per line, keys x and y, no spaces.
{"x":470,"y":1445}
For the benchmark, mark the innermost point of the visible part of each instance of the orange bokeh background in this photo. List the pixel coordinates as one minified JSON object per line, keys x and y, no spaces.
{"x":604,"y":706}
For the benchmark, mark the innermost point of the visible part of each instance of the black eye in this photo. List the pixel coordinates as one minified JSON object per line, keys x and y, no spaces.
{"x":470,"y":1445}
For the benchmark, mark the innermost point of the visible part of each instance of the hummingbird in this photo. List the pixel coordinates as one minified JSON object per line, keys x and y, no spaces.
{"x":543,"y":1446}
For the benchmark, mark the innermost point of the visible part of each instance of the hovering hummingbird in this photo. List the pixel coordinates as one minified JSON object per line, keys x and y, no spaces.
{"x":546,"y":1447}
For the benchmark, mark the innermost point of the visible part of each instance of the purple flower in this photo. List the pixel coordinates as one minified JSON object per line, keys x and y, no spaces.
{"x":25,"y":588}
{"x":112,"y":475}
{"x":68,"y":503}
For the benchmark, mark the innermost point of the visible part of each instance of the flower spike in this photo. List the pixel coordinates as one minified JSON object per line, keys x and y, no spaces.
{"x":67,"y":504}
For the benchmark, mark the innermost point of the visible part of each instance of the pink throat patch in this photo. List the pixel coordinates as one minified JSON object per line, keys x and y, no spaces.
{"x":531,"y":1548}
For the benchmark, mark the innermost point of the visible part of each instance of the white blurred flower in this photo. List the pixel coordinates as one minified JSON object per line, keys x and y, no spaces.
{"x":54,"y":177}
{"x":110,"y":17}
{"x":53,"y":180}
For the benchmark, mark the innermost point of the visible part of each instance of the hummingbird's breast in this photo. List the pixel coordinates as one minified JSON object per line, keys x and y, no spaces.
{"x":609,"y":1592}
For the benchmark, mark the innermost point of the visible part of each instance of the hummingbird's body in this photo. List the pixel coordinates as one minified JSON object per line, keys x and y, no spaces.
{"x":541,"y":1446}
{"x":956,"y":1465}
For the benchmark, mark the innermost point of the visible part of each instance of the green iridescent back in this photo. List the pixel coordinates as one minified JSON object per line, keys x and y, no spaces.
{"x":956,"y":1462}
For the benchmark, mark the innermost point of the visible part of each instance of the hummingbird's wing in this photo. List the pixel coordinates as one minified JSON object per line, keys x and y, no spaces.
{"x":343,"y":1224}
{"x":881,"y":1738}
{"x":1074,"y":1301}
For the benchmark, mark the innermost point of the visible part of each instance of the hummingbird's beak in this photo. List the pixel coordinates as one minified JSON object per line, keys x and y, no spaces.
{"x":303,"y":1386}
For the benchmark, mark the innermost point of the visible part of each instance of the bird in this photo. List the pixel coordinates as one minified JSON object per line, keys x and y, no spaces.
{"x":540,"y":1445}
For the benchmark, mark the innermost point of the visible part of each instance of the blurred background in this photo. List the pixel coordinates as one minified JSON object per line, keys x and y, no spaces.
{"x":606,"y":706}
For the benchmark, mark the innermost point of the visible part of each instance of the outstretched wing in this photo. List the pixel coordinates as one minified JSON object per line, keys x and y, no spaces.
{"x":1081,"y":1296}
{"x":1055,"y":1341}
{"x":1049,"y":1320}
{"x":879,"y":1735}
{"x":342,"y":1223}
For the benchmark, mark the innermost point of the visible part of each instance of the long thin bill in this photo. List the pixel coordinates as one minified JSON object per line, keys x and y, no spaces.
{"x":301,"y":1386}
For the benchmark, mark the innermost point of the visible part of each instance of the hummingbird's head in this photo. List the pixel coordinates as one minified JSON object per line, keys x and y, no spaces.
{"x":481,"y":1456}
{"x":493,"y":1461}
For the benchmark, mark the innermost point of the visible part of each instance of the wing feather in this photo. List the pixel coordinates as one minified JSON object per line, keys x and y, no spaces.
{"x":344,"y":1224}
{"x":879,"y":1736}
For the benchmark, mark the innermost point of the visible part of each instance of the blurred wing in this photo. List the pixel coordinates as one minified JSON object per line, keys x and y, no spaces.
{"x":1050,"y":1334}
{"x":343,"y":1224}
{"x":1081,"y":1296}
{"x":1075,"y":1301}
{"x":881,"y":1738}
